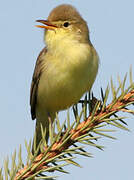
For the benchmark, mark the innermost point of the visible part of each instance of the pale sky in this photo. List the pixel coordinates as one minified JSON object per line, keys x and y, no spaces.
{"x":111,"y":25}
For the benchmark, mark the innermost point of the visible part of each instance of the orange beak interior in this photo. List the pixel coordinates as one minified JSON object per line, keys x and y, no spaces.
{"x":47,"y":24}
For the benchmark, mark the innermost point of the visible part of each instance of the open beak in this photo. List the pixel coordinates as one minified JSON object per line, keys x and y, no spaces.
{"x":48,"y":25}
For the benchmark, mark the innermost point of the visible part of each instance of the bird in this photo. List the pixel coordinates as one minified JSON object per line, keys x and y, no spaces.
{"x":65,"y":69}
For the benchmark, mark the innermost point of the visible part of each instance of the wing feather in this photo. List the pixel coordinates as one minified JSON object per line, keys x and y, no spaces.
{"x":35,"y":82}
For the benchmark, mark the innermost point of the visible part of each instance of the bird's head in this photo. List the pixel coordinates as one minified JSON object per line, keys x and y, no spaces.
{"x":65,"y":22}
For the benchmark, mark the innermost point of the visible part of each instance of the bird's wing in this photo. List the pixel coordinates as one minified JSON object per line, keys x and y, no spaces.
{"x":35,"y":82}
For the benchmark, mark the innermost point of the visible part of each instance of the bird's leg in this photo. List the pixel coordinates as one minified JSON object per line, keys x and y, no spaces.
{"x":92,"y":102}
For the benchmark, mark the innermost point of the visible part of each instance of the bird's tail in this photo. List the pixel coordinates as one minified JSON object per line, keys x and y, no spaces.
{"x":43,"y":122}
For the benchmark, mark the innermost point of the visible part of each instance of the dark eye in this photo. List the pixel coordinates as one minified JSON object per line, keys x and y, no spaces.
{"x":66,"y":24}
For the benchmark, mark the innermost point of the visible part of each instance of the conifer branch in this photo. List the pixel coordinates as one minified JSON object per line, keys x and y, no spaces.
{"x":84,"y":130}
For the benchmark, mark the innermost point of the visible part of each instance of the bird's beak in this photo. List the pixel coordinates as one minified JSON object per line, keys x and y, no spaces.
{"x":48,"y":24}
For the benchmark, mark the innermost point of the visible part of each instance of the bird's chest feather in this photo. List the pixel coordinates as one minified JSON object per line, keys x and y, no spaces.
{"x":68,"y":65}
{"x":66,"y":75}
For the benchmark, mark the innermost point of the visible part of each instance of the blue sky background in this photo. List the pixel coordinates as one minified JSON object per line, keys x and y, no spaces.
{"x":111,"y":25}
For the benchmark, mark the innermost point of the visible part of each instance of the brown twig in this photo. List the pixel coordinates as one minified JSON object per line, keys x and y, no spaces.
{"x":84,"y":127}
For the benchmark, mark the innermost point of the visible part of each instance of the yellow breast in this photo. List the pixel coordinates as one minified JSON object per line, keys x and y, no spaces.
{"x":69,"y":70}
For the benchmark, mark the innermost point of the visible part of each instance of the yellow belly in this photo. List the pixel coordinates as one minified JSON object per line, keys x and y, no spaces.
{"x":66,"y":77}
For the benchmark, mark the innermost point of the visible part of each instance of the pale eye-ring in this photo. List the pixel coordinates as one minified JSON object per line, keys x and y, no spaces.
{"x":66,"y":24}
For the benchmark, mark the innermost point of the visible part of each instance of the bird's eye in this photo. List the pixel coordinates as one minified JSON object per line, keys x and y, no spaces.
{"x":66,"y":24}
